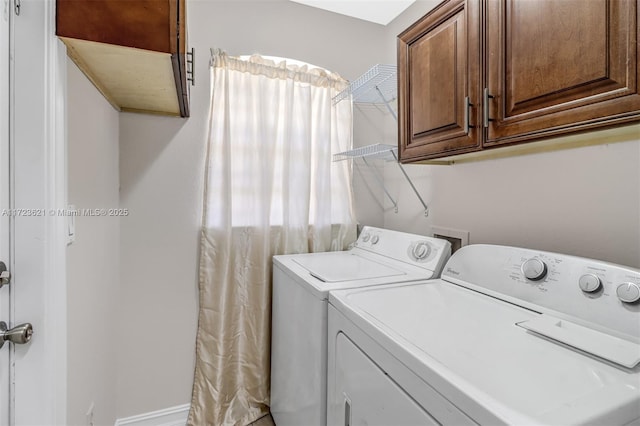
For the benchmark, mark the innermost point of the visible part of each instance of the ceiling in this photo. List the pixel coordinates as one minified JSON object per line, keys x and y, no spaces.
{"x":378,"y":11}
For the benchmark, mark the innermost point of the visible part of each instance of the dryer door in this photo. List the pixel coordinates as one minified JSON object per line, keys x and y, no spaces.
{"x":369,"y":396}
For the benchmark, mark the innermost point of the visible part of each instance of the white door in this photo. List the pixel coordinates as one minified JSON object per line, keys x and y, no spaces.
{"x":32,"y":189}
{"x":5,"y":378}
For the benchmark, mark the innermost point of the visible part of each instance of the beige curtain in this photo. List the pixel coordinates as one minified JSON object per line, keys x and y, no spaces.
{"x":271,"y":188}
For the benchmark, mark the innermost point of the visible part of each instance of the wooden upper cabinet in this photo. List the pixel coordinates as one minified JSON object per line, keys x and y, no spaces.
{"x":439,"y":82}
{"x":558,"y":66}
{"x":531,"y":69}
{"x":133,"y":51}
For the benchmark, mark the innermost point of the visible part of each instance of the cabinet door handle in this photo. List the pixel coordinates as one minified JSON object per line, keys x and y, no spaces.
{"x":467,"y":107}
{"x":485,"y":107}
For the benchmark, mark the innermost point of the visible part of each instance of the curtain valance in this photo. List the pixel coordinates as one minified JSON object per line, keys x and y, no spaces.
{"x":283,"y":70}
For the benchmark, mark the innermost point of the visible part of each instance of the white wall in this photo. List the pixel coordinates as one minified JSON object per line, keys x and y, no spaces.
{"x":583,"y":201}
{"x":161,"y":163}
{"x":92,"y":260}
{"x":161,"y":173}
{"x":371,"y":125}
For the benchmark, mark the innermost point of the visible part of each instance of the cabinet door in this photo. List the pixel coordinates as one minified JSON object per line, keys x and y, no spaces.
{"x":559,"y":66}
{"x":439,"y":83}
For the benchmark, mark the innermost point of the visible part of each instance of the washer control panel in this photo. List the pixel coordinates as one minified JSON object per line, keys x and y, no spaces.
{"x":587,"y":290}
{"x":424,"y":252}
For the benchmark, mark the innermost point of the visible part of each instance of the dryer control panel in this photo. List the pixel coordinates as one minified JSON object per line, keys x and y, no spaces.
{"x":591,"y":292}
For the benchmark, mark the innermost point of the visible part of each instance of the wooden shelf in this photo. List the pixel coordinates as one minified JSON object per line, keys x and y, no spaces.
{"x":134,"y":52}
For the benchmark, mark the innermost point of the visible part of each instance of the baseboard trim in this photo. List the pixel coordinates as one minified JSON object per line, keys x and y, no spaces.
{"x":173,"y":416}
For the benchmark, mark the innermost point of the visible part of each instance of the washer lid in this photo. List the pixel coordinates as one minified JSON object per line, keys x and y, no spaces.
{"x":473,"y":342}
{"x":344,"y":266}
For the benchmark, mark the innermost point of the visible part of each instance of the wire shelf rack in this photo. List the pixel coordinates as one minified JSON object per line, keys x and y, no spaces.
{"x":377,"y":151}
{"x":384,"y":152}
{"x":377,"y":85}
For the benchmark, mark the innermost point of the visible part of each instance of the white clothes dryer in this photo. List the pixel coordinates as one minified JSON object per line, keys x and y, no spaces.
{"x":301,"y":284}
{"x":506,"y":336}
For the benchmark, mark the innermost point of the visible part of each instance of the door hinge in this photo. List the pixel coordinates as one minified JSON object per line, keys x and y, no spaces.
{"x":17,"y":6}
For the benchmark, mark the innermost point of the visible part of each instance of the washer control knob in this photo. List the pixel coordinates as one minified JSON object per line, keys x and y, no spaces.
{"x":375,"y":239}
{"x":365,"y":238}
{"x":589,"y":283}
{"x":421,"y":250}
{"x":534,"y":269}
{"x":628,"y":292}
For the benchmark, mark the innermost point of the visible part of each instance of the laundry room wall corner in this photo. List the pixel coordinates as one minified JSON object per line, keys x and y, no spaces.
{"x":92,"y":259}
{"x":581,"y":201}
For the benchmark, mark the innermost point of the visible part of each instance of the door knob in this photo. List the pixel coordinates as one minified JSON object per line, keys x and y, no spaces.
{"x":5,"y":275}
{"x":19,"y":334}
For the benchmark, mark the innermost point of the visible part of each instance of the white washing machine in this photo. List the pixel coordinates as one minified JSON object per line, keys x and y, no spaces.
{"x":301,"y":284}
{"x":506,"y":336}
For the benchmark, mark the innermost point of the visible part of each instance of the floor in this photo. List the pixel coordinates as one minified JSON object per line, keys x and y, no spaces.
{"x":265,"y":421}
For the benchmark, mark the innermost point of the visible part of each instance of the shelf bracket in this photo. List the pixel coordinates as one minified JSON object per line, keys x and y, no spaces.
{"x":386,"y":103}
{"x":383,"y":152}
{"x":378,"y":178}
{"x":426,"y":208}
